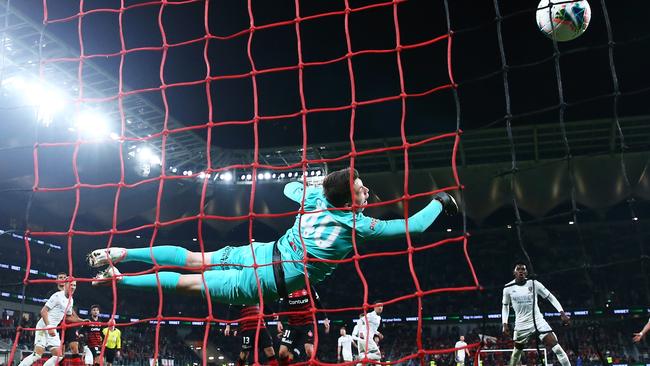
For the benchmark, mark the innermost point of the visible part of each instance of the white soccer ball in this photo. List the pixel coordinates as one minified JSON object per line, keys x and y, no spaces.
{"x":564,"y":21}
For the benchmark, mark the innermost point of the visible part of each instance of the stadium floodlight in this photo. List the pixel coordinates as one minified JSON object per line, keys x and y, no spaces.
{"x":47,"y":99}
{"x":201,"y":175}
{"x":8,"y":43}
{"x":145,"y":155}
{"x":243,"y":176}
{"x":267,"y":175}
{"x":144,"y":169}
{"x":14,"y":82}
{"x":318,"y":172}
{"x":249,"y":177}
{"x":114,"y":136}
{"x":281,"y":175}
{"x":92,"y":123}
{"x":260,"y":176}
{"x":273,"y":176}
{"x":290,"y":174}
{"x":227,"y":176}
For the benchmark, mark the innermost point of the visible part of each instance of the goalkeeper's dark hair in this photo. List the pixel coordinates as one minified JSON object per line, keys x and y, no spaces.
{"x":336,"y":187}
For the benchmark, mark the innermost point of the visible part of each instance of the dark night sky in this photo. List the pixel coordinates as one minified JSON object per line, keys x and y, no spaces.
{"x":584,"y":64}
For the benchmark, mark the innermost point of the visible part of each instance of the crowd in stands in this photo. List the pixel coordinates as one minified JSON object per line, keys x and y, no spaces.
{"x":139,"y":345}
{"x":586,"y":342}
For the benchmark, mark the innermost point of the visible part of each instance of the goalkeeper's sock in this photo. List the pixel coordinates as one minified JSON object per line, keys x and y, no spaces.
{"x":165,"y":255}
{"x":168,"y":280}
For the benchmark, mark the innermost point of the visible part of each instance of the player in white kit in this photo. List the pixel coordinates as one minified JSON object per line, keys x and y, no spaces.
{"x":57,"y":306}
{"x":370,"y":329}
{"x":355,"y":336}
{"x":345,"y":343}
{"x":461,"y":353}
{"x":522,"y":294}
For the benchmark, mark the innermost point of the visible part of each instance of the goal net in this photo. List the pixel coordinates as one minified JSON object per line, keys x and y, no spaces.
{"x":491,"y":357}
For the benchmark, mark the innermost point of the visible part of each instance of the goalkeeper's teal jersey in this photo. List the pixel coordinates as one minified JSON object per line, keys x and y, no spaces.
{"x":327,"y":233}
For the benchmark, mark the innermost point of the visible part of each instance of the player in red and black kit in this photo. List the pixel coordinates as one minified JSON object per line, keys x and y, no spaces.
{"x":247,"y":330}
{"x":93,"y":335}
{"x":300,"y":330}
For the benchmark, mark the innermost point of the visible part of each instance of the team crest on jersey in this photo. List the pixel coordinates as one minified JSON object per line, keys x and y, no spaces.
{"x":373,"y":223}
{"x":530,"y":289}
